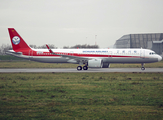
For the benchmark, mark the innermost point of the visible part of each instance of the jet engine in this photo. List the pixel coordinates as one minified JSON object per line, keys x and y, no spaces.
{"x":95,"y":63}
{"x":106,"y":65}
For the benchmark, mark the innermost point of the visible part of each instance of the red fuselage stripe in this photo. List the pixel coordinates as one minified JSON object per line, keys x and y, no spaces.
{"x":47,"y":54}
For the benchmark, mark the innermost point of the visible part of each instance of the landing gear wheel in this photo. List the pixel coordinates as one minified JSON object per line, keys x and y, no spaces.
{"x":79,"y":68}
{"x":85,"y":68}
{"x":143,"y":68}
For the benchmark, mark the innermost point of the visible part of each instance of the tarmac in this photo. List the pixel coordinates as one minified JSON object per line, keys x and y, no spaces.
{"x":73,"y":70}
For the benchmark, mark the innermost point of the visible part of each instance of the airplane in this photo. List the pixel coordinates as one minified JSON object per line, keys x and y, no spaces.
{"x":89,"y":58}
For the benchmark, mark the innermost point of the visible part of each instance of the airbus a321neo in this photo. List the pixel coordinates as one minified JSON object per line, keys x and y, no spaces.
{"x":92,"y":58}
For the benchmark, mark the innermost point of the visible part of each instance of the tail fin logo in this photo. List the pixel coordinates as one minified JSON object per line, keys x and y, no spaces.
{"x":16,"y":40}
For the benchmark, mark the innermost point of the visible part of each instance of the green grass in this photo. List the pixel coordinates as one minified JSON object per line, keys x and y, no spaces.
{"x":9,"y":57}
{"x":32,"y":64}
{"x":81,"y":96}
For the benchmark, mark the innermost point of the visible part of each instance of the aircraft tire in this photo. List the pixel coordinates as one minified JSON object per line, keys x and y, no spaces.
{"x":79,"y":68}
{"x":85,"y":68}
{"x":143,"y":68}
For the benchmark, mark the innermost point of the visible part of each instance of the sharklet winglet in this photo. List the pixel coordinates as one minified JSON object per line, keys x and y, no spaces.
{"x":50,"y":49}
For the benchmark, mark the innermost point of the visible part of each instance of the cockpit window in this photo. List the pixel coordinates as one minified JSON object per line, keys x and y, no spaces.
{"x":152,"y":53}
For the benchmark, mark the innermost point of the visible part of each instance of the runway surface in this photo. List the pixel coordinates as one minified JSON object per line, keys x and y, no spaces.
{"x":63,"y":70}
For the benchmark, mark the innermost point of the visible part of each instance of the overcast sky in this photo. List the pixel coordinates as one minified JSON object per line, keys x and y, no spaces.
{"x":71,"y":22}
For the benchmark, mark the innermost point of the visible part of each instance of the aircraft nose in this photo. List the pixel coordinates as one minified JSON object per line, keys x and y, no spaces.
{"x":159,"y":58}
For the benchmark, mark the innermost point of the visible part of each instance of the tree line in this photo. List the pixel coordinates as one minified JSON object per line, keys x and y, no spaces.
{"x":82,"y":46}
{"x":5,"y":47}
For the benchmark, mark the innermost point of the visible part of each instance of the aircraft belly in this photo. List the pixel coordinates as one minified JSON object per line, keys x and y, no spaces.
{"x":132,"y":60}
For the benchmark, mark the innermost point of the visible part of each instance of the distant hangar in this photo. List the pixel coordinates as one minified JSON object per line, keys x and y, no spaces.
{"x":153,"y":41}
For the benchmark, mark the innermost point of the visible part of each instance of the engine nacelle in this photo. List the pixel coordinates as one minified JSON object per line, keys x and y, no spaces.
{"x":95,"y":63}
{"x":106,"y":65}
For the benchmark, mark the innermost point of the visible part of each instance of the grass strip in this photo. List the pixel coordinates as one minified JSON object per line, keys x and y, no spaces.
{"x":81,"y":96}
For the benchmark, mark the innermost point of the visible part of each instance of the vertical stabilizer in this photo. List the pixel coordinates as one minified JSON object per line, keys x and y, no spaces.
{"x":18,"y":44}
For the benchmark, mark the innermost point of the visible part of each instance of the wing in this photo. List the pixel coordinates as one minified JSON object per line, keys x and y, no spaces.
{"x":70,"y":56}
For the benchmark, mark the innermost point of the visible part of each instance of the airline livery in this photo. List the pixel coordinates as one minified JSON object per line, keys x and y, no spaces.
{"x":88,"y":58}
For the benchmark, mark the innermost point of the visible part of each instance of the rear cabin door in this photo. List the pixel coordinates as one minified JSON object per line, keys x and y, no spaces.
{"x":31,"y":54}
{"x":71,"y":53}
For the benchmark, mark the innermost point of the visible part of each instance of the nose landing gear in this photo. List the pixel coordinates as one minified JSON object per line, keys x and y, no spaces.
{"x":142,"y":68}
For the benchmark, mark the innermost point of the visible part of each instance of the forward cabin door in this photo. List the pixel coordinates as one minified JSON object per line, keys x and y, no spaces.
{"x":142,"y":53}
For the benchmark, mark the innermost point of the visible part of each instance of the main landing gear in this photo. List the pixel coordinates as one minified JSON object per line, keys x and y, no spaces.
{"x":84,"y":68}
{"x":142,"y":68}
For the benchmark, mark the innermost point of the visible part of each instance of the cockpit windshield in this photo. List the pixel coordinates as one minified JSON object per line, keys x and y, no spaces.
{"x":152,"y":53}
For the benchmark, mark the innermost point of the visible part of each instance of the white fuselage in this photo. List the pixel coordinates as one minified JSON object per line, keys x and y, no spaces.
{"x":107,"y":55}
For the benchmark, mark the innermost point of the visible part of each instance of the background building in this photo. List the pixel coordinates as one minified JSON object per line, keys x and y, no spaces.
{"x":152,"y":41}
